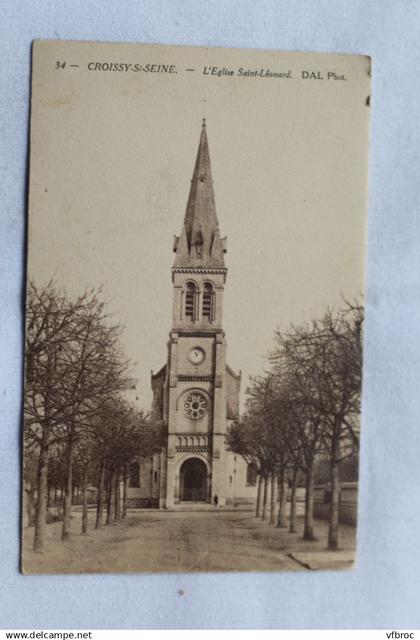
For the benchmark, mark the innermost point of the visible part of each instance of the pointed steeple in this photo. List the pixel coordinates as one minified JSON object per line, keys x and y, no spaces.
{"x":200,"y":244}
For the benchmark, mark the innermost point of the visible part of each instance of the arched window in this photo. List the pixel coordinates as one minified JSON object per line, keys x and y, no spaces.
{"x":208,"y":302}
{"x":190,"y":301}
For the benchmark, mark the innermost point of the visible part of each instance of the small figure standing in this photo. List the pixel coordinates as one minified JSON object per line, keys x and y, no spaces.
{"x":216,"y":499}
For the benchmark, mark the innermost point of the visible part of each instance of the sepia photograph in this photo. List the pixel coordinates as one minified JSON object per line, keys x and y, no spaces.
{"x":194,"y":309}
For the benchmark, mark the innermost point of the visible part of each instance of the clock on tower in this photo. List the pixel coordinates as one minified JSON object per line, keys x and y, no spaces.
{"x":196,"y":355}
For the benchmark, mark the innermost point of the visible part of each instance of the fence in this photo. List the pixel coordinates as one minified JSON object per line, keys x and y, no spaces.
{"x":348,"y":502}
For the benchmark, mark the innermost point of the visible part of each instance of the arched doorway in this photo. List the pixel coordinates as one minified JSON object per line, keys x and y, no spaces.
{"x":193,"y":481}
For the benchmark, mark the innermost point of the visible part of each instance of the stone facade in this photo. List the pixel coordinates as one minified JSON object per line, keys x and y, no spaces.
{"x":196,"y":394}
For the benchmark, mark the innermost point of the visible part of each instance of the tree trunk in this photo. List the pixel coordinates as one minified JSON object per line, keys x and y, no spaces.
{"x":111,"y":500}
{"x":41,"y":505}
{"x":125,"y":495}
{"x":68,"y":495}
{"x":292,"y":526}
{"x":282,"y":489}
{"x":264,"y":505}
{"x":308,"y":531}
{"x":258,"y":501}
{"x":100,"y":500}
{"x":55,"y":495}
{"x":84,"y":503}
{"x":273,"y":498}
{"x":31,"y":503}
{"x":49,"y":495}
{"x":335,"y":505}
{"x":117,"y":515}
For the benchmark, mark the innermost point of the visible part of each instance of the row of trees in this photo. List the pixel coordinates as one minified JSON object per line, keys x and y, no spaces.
{"x":305,"y":408}
{"x":78,"y":426}
{"x":80,"y":431}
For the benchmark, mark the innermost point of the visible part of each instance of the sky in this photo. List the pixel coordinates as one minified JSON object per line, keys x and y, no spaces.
{"x":112,"y":155}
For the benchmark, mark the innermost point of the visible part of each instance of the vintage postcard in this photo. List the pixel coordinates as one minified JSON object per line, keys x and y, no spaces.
{"x":194,"y":310}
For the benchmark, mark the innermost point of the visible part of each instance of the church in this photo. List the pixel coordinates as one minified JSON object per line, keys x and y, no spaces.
{"x":196,"y":393}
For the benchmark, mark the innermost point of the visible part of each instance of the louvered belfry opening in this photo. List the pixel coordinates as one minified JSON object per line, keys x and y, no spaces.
{"x":208,"y":302}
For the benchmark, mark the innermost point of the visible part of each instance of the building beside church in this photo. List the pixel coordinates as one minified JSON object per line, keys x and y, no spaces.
{"x":196,"y":393}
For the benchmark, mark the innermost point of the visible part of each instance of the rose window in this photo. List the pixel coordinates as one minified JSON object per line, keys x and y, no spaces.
{"x":195,"y":406}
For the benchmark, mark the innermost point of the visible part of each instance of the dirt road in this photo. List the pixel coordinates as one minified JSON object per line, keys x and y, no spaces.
{"x":173,"y":542}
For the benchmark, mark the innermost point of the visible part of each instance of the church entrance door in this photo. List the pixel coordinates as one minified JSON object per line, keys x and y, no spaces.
{"x":193,"y":481}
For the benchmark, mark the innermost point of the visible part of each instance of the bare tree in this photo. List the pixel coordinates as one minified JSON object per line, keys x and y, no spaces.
{"x":308,"y":405}
{"x":340,"y":370}
{"x":120,"y":435}
{"x":49,"y":319}
{"x":324,"y":362}
{"x":73,"y":361}
{"x":99,"y":370}
{"x":261,"y":440}
{"x":242,"y":438}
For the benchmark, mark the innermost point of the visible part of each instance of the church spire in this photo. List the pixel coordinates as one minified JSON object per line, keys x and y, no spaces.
{"x":199,"y":244}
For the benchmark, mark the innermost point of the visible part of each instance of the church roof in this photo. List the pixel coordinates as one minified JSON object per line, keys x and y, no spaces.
{"x":159,"y":374}
{"x":229,"y":370}
{"x":200,"y":244}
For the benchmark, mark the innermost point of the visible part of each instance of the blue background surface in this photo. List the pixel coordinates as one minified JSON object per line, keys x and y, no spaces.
{"x":384,"y":589}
